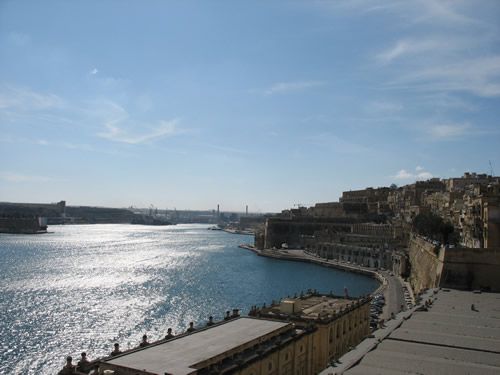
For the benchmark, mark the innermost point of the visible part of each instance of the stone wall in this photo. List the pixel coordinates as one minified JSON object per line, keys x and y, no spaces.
{"x":292,"y":232}
{"x":460,"y":268}
{"x":426,"y":262}
{"x":20,"y":225}
{"x":470,"y":268}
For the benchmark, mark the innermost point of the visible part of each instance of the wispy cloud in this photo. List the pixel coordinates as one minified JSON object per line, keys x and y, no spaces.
{"x":448,"y":131}
{"x":452,"y":53}
{"x":27,"y":100}
{"x":413,"y":47}
{"x":413,"y":11}
{"x":419,"y":174}
{"x":17,"y":178}
{"x":231,"y":150}
{"x":383,"y":107}
{"x":114,"y":132}
{"x":440,"y":11}
{"x":287,"y":87}
{"x":94,"y":71}
{"x":479,"y":76}
{"x":120,"y":127}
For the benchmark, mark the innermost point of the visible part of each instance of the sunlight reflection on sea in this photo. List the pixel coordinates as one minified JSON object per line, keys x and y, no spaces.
{"x":86,"y":287}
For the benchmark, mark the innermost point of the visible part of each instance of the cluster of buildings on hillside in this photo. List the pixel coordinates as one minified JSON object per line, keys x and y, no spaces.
{"x":373,"y":227}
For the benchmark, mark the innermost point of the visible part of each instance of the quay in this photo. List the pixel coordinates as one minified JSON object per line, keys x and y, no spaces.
{"x":238,"y":231}
{"x":391,"y":286}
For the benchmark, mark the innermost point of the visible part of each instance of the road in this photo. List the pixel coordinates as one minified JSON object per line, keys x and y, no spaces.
{"x":393,"y":294}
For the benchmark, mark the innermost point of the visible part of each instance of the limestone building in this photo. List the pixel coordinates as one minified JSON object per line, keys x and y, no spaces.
{"x":298,"y":336}
{"x":335,"y":324}
{"x":243,"y":346}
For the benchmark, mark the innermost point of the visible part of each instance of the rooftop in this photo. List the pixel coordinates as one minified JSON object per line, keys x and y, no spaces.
{"x":307,"y":307}
{"x":450,"y":338}
{"x":314,"y":305}
{"x":181,"y":355}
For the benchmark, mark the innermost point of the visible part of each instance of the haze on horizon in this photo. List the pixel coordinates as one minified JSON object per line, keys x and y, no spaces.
{"x":189,"y":104}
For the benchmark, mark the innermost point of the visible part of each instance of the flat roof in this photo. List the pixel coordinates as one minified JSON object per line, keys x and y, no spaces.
{"x":177,"y":356}
{"x":450,"y":338}
{"x":316,"y":304}
{"x":313,"y":305}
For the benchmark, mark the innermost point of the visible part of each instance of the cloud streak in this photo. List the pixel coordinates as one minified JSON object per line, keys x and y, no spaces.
{"x":19,"y":178}
{"x":289,"y":87}
{"x":23,"y":99}
{"x":120,"y":128}
{"x":450,"y":54}
{"x":448,"y":131}
{"x":117,"y":134}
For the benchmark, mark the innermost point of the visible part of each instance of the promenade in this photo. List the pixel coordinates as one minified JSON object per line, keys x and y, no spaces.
{"x":390,"y":286}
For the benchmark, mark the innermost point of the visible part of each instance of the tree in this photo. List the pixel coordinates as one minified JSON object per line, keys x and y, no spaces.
{"x":433,"y":226}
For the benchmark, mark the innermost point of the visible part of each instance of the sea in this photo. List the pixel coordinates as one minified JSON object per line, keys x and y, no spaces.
{"x":85,"y":287}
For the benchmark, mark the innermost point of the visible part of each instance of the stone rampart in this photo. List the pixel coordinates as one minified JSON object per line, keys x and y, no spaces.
{"x":426,"y":262}
{"x":460,"y":268}
{"x":471,"y":268}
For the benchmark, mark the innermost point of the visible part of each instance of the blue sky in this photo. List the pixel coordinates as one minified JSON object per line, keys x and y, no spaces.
{"x":188,"y":104}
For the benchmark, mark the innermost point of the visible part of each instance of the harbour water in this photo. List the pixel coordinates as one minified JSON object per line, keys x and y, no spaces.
{"x":85,"y":287}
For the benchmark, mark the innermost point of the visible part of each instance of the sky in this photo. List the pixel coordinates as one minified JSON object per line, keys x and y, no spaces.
{"x":190,"y":104}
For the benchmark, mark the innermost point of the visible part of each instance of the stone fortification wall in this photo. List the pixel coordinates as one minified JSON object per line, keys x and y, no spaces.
{"x":426,"y":262}
{"x":460,"y":268}
{"x":19,"y":225}
{"x":279,"y":231}
{"x":32,"y":209}
{"x":470,"y":268}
